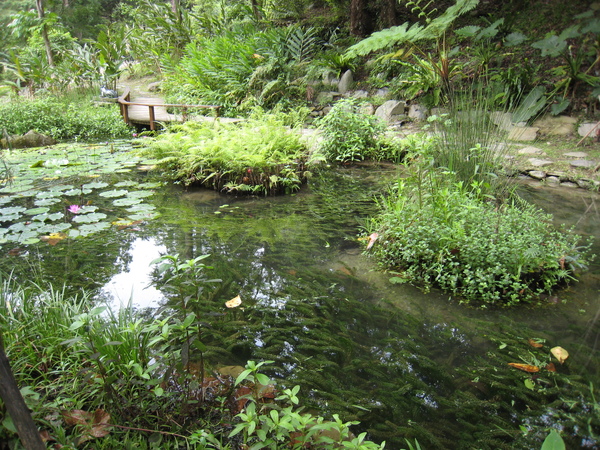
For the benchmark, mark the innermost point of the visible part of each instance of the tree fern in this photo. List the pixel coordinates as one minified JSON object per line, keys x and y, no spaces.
{"x":412,"y":33}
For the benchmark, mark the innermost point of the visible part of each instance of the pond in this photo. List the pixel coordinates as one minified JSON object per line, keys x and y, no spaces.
{"x":405,"y":363}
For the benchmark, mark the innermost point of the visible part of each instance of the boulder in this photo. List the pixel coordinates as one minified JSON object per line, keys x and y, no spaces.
{"x":30,"y":139}
{"x":588,"y":129}
{"x":346,"y":82}
{"x":390,"y":109}
{"x":556,"y":126}
{"x":417,"y":112}
{"x":523,"y":133}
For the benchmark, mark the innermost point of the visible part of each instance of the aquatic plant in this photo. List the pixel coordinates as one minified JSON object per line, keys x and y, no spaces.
{"x":486,"y":254}
{"x":252,"y":157}
{"x":350,"y":134}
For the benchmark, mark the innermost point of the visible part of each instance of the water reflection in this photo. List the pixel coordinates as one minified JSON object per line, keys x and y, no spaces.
{"x":133,"y":283}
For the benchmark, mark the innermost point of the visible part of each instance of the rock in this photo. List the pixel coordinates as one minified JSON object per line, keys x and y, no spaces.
{"x":556,"y":126}
{"x":154,"y":87}
{"x":325,"y":98}
{"x":417,"y":112}
{"x":584,"y":184}
{"x":539,"y":162}
{"x":389,"y":109}
{"x":346,"y":82}
{"x":329,"y":79}
{"x":590,"y":128}
{"x":531,"y":151}
{"x":537,"y":174}
{"x":575,"y":155}
{"x":569,"y":184}
{"x":583,"y":163}
{"x":523,"y":133}
{"x":384,"y":92}
{"x":502,"y":119}
{"x":552,"y":181}
{"x":359,"y":94}
{"x":30,"y":139}
{"x":368,"y":109}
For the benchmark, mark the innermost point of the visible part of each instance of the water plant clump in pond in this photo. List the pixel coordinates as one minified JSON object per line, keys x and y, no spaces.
{"x":257,"y":156}
{"x":71,"y":190}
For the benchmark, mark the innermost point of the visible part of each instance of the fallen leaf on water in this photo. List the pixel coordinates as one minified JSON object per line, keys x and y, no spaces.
{"x":372,"y":238}
{"x":54,"y":238}
{"x":234,"y":302}
{"x":550,"y":367}
{"x":535,"y":343}
{"x":525,"y":367}
{"x":560,"y":353}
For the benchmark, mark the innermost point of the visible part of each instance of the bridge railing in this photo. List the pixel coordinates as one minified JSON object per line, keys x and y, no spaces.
{"x":125,"y":101}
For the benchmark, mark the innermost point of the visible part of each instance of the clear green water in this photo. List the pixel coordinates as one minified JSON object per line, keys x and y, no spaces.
{"x":404,"y":363}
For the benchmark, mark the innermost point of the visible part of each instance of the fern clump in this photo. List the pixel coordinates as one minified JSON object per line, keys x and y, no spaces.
{"x":255,"y":156}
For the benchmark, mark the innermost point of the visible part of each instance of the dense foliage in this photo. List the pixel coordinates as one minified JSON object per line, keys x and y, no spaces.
{"x":63,"y":119}
{"x":350,"y":134}
{"x":255,"y":156}
{"x":482,"y":253}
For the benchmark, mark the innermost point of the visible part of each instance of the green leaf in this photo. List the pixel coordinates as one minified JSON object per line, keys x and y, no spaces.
{"x":553,"y":441}
{"x":114,"y":193}
{"x":529,"y":384}
{"x":263,"y":379}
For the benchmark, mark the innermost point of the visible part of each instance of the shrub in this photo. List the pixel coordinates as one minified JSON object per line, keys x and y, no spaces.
{"x":448,"y":237}
{"x":62,"y":119}
{"x":350,"y":134}
{"x":256,"y":156}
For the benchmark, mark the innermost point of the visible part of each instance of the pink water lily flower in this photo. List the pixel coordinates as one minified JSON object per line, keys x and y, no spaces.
{"x":75,"y":209}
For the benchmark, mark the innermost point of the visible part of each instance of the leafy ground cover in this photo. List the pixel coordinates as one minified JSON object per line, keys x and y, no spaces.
{"x":67,"y":191}
{"x":252,"y":157}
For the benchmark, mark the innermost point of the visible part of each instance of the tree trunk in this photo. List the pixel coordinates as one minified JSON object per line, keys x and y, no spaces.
{"x":39,"y":4}
{"x":255,"y":10}
{"x":175,"y":9}
{"x":387,"y":13}
{"x":358,"y":18}
{"x":16,"y":407}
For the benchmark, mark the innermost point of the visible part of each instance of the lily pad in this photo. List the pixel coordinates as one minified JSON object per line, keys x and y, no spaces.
{"x":150,"y":185}
{"x":81,"y":191}
{"x":142,"y":207}
{"x":11,"y":210}
{"x":46,"y":201}
{"x":127,"y":183}
{"x":87,"y":229}
{"x":54,"y":228}
{"x":51,"y":217}
{"x":95,"y":185}
{"x":140,"y":194}
{"x":38,"y":210}
{"x":114,"y":193}
{"x":89,"y":218}
{"x":127,"y":201}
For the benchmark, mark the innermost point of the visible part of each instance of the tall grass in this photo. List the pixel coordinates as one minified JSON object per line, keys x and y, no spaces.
{"x":469,"y":144}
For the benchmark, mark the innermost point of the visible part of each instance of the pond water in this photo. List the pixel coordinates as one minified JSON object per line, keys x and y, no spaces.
{"x":405,"y":363}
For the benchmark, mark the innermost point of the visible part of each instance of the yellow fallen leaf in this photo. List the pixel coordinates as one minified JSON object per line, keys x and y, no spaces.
{"x":234,"y":302}
{"x":560,"y":353}
{"x":525,"y":367}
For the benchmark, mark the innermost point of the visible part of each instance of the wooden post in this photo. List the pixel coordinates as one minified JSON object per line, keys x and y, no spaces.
{"x":16,"y":407}
{"x":151,"y":112}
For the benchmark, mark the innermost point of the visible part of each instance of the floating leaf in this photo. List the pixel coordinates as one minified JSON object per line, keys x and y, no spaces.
{"x":46,"y":201}
{"x":54,"y":238}
{"x":372,"y":238}
{"x":525,"y":367}
{"x":535,"y":343}
{"x":95,"y":185}
{"x":91,"y":228}
{"x":74,"y":192}
{"x":127,"y":183}
{"x":234,"y":302}
{"x":38,"y":210}
{"x":140,"y":194}
{"x":529,"y":384}
{"x":127,"y":201}
{"x":89,"y":218}
{"x":560,"y":353}
{"x":114,"y":193}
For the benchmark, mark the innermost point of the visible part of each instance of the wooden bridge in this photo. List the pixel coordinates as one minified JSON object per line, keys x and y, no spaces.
{"x":150,"y":111}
